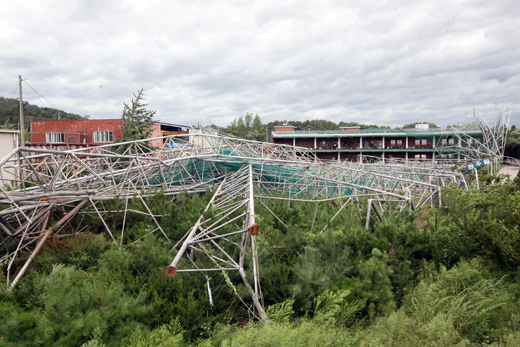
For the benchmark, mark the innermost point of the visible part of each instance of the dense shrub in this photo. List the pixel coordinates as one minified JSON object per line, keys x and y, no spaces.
{"x":449,"y":279}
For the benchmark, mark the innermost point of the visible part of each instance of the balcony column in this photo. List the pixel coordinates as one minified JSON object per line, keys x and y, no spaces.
{"x":339,"y":157}
{"x":383,"y":156}
{"x":339,"y":142}
{"x":315,"y":143}
{"x":384,"y":145}
{"x":360,"y":142}
{"x":433,"y":141}
{"x":406,"y":156}
{"x":433,"y":157}
{"x":406,"y":142}
{"x":294,"y":141}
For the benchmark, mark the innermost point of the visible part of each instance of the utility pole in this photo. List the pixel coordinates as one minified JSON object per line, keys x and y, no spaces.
{"x":22,"y":125}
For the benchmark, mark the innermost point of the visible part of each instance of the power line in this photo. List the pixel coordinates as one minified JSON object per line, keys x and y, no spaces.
{"x":13,"y":92}
{"x":42,"y":97}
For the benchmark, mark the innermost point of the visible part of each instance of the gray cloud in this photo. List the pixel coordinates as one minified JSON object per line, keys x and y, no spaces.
{"x":382,"y":62}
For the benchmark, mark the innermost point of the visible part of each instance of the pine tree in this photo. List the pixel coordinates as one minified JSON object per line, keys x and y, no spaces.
{"x":257,"y":129}
{"x":138,"y":120}
{"x":248,"y":120}
{"x":241,"y":128}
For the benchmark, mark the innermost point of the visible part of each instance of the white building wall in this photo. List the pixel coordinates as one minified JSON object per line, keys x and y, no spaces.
{"x":8,"y":142}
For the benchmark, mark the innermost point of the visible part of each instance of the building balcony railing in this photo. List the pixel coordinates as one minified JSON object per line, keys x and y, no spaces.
{"x":371,"y":131}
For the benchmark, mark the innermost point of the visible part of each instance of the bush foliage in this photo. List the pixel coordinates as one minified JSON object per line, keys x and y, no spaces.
{"x":451,"y":278}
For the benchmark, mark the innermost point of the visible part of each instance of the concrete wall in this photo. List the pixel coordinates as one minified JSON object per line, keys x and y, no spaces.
{"x":8,"y":142}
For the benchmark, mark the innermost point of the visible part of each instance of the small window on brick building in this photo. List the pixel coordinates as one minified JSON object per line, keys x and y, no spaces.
{"x":103,"y":136}
{"x":55,"y":137}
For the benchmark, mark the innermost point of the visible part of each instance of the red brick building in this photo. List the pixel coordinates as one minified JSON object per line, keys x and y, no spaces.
{"x":90,"y":132}
{"x":284,"y":126}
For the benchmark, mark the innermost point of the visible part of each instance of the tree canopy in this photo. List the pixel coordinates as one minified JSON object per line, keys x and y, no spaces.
{"x":248,"y":127}
{"x":412,"y":125}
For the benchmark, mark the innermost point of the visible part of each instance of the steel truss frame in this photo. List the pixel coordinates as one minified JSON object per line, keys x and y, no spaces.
{"x":492,"y":121}
{"x":36,"y":184}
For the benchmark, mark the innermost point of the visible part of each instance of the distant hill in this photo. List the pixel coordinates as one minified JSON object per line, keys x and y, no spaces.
{"x":10,"y":114}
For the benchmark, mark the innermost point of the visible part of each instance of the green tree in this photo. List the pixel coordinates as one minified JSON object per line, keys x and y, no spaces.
{"x":138,"y":120}
{"x":257,"y":129}
{"x":241,"y":128}
{"x":513,"y":143}
{"x":248,"y":120}
{"x":232,"y":129}
{"x":77,"y":302}
{"x":490,"y":216}
{"x":247,"y":127}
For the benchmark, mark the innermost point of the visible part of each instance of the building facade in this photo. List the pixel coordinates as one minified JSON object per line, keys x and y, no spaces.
{"x":90,"y":132}
{"x":353,"y":143}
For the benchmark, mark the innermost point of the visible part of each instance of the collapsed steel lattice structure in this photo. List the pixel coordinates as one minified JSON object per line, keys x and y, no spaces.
{"x":37,"y":184}
{"x":482,"y":133}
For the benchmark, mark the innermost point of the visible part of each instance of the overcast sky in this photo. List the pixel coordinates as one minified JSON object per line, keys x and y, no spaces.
{"x":378,"y":62}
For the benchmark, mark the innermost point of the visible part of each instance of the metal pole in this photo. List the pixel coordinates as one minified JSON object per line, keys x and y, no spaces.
{"x":170,"y":270}
{"x":44,"y":238}
{"x":22,"y":123}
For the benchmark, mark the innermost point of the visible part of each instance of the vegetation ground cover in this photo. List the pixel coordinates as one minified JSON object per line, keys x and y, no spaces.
{"x":450,"y":279}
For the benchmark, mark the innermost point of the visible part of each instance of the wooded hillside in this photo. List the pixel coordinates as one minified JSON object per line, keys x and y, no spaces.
{"x":10,"y":113}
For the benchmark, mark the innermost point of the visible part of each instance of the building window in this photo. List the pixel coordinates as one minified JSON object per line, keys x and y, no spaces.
{"x":417,"y":142}
{"x":424,"y":142}
{"x":451,"y":141}
{"x":103,"y":136}
{"x":420,"y":156}
{"x":55,"y":137}
{"x":399,"y":142}
{"x":392,"y":142}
